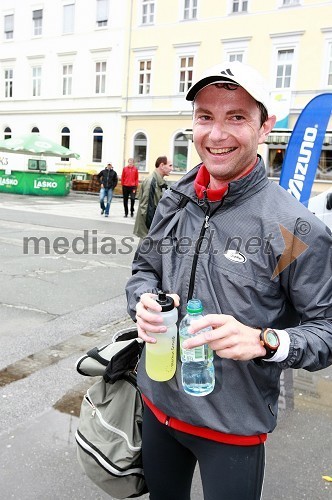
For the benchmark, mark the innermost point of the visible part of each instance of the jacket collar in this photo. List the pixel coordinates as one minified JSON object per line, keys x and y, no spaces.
{"x":159,"y":178}
{"x":202,"y":189}
{"x":244,"y":187}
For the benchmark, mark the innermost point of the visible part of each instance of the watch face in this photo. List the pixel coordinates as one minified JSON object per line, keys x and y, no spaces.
{"x":271,"y":339}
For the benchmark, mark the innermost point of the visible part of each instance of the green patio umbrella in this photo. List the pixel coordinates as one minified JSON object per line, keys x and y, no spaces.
{"x":36,"y":144}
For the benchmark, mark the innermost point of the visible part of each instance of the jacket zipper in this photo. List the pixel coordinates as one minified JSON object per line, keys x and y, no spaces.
{"x":199,"y":242}
{"x":206,"y":224}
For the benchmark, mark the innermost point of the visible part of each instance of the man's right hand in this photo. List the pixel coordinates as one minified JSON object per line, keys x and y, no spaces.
{"x":149,"y":321}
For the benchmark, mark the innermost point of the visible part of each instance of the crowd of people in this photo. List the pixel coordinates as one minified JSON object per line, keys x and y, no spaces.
{"x":149,"y":194}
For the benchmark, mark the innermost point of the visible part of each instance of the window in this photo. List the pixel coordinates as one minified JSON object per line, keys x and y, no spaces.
{"x":236,"y":49}
{"x":100,"y":77}
{"x":7,"y":133}
{"x":240,"y":6}
{"x":68,"y":18}
{"x":65,"y":140}
{"x":290,"y":2}
{"x":140,"y":147}
{"x":329,"y":63}
{"x":67,"y":75}
{"x":102,"y":13}
{"x":180,"y":154}
{"x":148,"y":11}
{"x":277,"y":155}
{"x":9,"y":82}
{"x":36,"y":81}
{"x":36,"y":164}
{"x":190,"y":9}
{"x":276,"y":159}
{"x":186,"y":73}
{"x":236,"y":57}
{"x":9,"y":26}
{"x":97,"y":144}
{"x":37,"y":22}
{"x":284,"y":68}
{"x":324,"y":170}
{"x":144,"y":85}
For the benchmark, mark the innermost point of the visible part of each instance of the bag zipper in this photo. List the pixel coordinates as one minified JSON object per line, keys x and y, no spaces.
{"x":109,"y":427}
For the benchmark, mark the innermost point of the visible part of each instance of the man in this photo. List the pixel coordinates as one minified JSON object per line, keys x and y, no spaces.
{"x":129,"y":182}
{"x":108,"y":179}
{"x":262,"y":265}
{"x":150,"y":192}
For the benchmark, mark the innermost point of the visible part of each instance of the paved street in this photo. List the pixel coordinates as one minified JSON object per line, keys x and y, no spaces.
{"x":63,"y":270}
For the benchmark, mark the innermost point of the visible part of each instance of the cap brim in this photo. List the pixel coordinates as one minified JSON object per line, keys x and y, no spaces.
{"x":205,"y":82}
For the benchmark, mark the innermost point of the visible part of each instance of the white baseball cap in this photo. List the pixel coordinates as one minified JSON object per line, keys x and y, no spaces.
{"x":234,"y":72}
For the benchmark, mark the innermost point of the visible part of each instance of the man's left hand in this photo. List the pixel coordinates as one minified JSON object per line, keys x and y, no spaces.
{"x":228,"y":338}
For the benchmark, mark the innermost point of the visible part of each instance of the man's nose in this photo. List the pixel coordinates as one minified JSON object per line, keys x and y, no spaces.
{"x":219,"y":132}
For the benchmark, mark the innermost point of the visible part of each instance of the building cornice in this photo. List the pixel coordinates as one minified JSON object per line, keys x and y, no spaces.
{"x":288,"y":34}
{"x":239,"y":39}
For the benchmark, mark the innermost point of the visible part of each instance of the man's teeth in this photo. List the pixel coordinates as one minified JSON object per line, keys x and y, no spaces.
{"x":220,"y":151}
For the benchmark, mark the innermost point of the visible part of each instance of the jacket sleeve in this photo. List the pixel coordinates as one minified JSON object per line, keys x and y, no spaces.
{"x":115,"y":180}
{"x":147,"y":263}
{"x":144,"y":197}
{"x":100,"y":177}
{"x":309,"y":287}
{"x":152,"y":203}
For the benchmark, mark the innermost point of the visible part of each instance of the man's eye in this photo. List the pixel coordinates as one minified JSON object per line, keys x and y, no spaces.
{"x":238,"y":118}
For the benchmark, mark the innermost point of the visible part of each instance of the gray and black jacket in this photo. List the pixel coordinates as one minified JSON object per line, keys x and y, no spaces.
{"x":227,"y":254}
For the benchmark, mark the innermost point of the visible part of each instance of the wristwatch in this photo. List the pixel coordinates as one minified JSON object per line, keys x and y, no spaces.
{"x":270,"y":341}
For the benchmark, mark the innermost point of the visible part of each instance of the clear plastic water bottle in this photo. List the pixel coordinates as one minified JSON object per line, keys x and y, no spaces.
{"x":160,"y":358}
{"x":197,"y":370}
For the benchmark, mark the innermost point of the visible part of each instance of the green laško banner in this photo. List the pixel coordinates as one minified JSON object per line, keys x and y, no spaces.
{"x":34,"y":183}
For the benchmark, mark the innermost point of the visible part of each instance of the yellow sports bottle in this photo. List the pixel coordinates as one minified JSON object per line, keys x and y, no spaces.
{"x":160,"y":358}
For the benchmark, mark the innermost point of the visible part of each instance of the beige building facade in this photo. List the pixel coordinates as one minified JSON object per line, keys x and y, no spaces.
{"x":289,"y":41}
{"x":109,"y":80}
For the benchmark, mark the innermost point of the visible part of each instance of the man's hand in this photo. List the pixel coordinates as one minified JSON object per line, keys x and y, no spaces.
{"x":228,"y":338}
{"x":148,"y":321}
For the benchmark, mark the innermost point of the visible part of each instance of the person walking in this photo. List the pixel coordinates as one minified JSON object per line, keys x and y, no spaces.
{"x":151,"y":190}
{"x":108,"y":179}
{"x":261,"y":263}
{"x":129,"y":182}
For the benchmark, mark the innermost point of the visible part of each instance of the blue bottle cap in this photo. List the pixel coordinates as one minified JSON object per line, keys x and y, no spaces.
{"x":194,"y":306}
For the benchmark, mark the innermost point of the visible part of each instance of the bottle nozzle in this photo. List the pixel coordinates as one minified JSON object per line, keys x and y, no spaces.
{"x":162,"y":297}
{"x":166,"y":302}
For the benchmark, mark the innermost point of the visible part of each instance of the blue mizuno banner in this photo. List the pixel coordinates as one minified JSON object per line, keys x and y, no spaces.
{"x":304,"y":148}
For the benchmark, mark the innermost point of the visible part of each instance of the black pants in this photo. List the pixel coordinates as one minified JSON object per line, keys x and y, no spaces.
{"x":129,"y":191}
{"x":169,"y":458}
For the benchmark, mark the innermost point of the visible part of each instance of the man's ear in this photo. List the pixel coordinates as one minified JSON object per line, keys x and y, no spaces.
{"x":266,"y":128}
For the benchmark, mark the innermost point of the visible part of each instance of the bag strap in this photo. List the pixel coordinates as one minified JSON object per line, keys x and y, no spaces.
{"x":123,"y":362}
{"x":94,"y":354}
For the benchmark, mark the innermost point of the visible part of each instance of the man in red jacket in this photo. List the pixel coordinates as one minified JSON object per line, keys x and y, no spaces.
{"x":129,"y":181}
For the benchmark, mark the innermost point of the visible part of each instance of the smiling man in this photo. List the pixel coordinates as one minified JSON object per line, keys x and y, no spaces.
{"x":269,"y":305}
